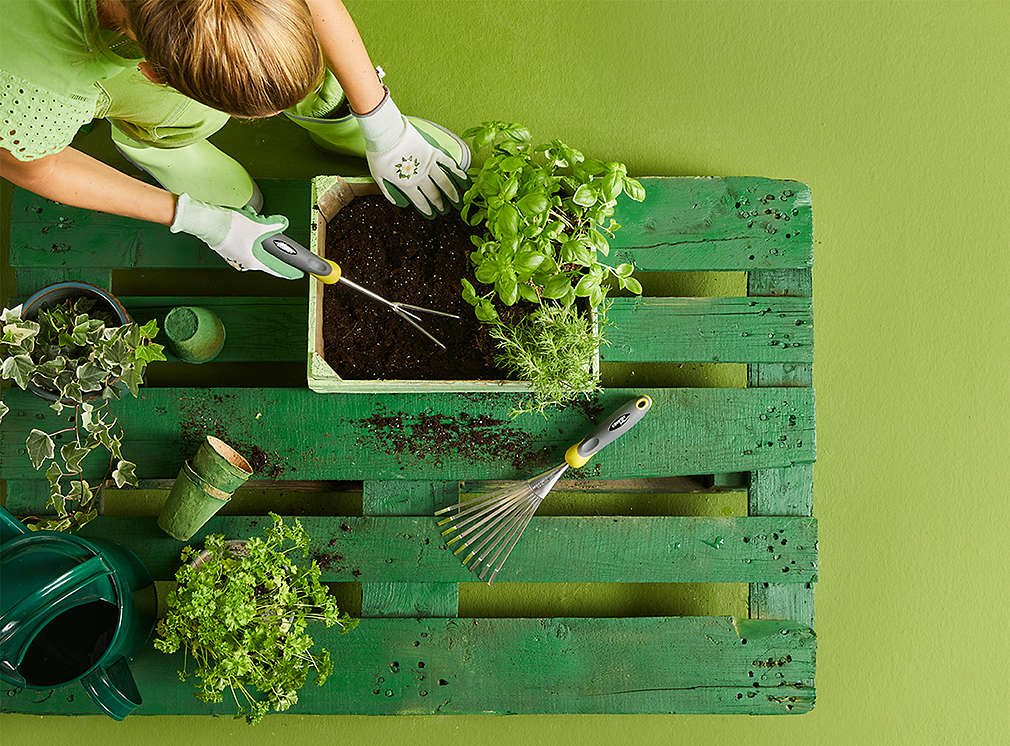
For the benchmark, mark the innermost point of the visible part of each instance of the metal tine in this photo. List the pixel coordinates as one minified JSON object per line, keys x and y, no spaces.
{"x":501,"y":530}
{"x":490,"y":533}
{"x":482,"y":497}
{"x":426,"y":310}
{"x":490,"y":508}
{"x":406,"y":317}
{"x":482,"y":503}
{"x":464,"y":528}
{"x":510,"y":543}
{"x":487,"y":520}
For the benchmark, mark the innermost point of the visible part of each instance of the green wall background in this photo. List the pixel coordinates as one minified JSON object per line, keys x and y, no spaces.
{"x":896,"y":115}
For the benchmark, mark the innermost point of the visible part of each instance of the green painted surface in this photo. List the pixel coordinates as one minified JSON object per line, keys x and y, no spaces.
{"x":434,"y":436}
{"x":895,"y":115}
{"x":721,"y":224}
{"x":609,"y":548}
{"x":774,"y":330}
{"x":447,"y":666}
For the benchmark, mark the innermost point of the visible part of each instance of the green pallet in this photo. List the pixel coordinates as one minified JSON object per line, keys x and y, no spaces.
{"x":405,"y":455}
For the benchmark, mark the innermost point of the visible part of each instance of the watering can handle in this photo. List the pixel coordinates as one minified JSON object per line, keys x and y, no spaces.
{"x":10,"y":527}
{"x":113,"y":689}
{"x":24,"y":612}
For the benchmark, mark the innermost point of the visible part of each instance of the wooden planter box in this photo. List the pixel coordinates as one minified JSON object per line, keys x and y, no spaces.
{"x":329,"y":195}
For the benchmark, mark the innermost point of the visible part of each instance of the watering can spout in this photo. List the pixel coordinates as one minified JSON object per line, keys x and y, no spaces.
{"x":10,"y":527}
{"x":113,"y":689}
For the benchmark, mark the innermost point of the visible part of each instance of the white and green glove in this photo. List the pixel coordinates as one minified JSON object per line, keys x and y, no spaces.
{"x":407,"y":166}
{"x":234,"y":234}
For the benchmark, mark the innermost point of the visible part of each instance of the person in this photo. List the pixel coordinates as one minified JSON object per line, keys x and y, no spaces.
{"x":169,"y":73}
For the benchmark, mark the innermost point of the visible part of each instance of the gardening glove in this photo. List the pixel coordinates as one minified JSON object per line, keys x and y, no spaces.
{"x":234,"y":234}
{"x":408,"y":167}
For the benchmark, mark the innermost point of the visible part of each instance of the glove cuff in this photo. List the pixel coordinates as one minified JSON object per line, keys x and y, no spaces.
{"x":199,"y":219}
{"x":382,"y":126}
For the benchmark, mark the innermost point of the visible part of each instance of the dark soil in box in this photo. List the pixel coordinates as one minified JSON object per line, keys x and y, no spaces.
{"x":402,"y":256}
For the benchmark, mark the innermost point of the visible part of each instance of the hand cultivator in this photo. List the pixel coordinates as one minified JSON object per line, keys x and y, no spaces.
{"x":293,"y":253}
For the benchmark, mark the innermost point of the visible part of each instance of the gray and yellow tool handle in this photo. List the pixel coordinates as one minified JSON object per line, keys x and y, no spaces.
{"x":612,"y":428}
{"x":291,"y":252}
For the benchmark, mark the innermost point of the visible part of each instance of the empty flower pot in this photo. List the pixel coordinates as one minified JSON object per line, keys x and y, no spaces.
{"x":195,"y":334}
{"x":221,"y":465}
{"x":191,"y":503}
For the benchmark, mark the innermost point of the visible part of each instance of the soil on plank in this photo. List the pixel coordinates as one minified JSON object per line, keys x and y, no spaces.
{"x":402,"y":256}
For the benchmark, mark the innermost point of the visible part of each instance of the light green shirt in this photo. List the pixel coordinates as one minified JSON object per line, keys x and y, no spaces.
{"x":52,"y":55}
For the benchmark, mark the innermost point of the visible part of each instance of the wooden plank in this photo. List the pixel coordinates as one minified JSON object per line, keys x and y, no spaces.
{"x":709,"y":330}
{"x":256,"y":329}
{"x":30,"y":279}
{"x":635,"y":665}
{"x":609,"y":549}
{"x":297,"y":434}
{"x":734,"y":223}
{"x":28,"y":497}
{"x":787,"y":490}
{"x":417,"y":599}
{"x":51,"y":235}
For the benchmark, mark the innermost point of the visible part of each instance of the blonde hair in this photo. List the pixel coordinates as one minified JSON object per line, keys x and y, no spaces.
{"x":249,"y":58}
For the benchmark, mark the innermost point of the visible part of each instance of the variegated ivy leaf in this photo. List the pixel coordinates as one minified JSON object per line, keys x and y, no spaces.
{"x":53,"y":474}
{"x":72,"y":455}
{"x":91,"y":376}
{"x":4,"y":409}
{"x":80,"y":491}
{"x":11,"y":314}
{"x":124,"y":473}
{"x":17,"y":368}
{"x":16,"y":332}
{"x":40,"y":447}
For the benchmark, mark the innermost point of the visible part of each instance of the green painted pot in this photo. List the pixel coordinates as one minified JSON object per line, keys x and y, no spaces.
{"x":221,"y":465}
{"x":191,"y":503}
{"x":195,"y":334}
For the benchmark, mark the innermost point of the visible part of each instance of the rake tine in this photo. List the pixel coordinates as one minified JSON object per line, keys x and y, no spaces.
{"x":490,"y":522}
{"x":502,"y":530}
{"x":510,"y":543}
{"x":489,"y":511}
{"x":478,"y":504}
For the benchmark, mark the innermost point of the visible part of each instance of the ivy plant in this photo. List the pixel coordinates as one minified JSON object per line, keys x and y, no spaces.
{"x":79,"y":353}
{"x":242,"y":618}
{"x":547,"y":213}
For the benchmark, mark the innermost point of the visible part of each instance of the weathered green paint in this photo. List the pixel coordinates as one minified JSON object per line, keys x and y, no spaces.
{"x":583,"y":549}
{"x":788,"y":490}
{"x":48,"y":234}
{"x":258,"y":329}
{"x":710,"y":330}
{"x":735,"y":223}
{"x":398,"y":599}
{"x":634,"y":665}
{"x":439,"y":435}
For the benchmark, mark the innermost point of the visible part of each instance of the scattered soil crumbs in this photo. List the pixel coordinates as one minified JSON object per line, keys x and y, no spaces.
{"x":198,"y":420}
{"x":404,"y":257}
{"x":433,"y":437}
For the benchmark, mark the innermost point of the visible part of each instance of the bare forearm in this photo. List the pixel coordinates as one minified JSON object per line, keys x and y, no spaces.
{"x":346,"y":54}
{"x":76,"y":179}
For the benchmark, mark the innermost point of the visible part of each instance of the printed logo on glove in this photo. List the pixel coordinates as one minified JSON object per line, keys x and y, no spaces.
{"x":408,"y":167}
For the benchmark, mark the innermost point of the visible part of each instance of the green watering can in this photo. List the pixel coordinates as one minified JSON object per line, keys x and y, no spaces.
{"x":72,"y":608}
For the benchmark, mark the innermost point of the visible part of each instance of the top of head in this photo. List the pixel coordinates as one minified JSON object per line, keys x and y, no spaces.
{"x":249,"y":58}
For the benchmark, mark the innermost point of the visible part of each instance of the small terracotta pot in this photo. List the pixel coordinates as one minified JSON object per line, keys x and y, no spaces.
{"x":221,"y":465}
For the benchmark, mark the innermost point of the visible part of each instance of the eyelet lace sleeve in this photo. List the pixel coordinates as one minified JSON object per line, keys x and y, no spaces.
{"x":37,"y":122}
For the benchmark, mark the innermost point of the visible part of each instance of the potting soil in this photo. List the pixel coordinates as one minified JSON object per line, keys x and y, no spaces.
{"x":402,"y":256}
